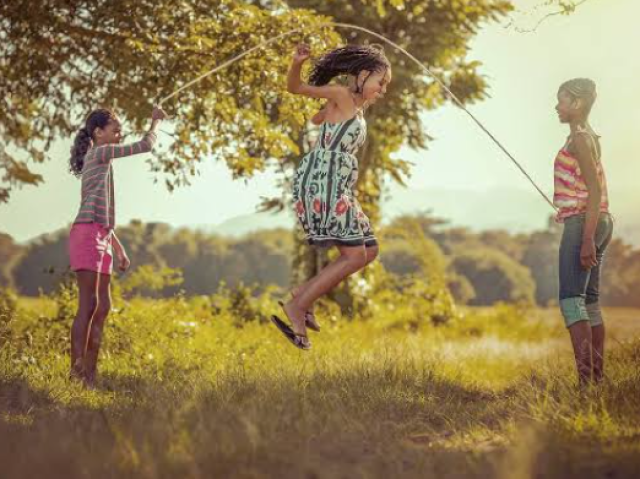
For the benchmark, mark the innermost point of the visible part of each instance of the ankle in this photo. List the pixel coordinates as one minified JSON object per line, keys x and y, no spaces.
{"x":296,"y":306}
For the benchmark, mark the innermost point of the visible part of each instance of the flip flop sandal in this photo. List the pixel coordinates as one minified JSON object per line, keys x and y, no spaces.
{"x":309,"y":319}
{"x":300,"y":341}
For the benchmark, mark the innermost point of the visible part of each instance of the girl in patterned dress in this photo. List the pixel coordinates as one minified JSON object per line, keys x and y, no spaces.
{"x":323,"y":189}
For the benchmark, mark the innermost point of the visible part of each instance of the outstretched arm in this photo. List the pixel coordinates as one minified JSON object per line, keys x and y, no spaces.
{"x":106,"y":153}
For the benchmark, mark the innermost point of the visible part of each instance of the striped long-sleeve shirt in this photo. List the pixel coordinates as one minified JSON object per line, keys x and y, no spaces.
{"x":97,"y":203}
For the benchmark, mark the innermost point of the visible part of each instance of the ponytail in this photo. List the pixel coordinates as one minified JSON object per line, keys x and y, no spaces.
{"x":84,"y":138}
{"x":81,"y":145}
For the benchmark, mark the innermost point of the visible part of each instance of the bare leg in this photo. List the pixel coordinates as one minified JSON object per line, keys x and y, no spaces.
{"x":597,"y":346}
{"x":371,"y":254}
{"x":351,"y":260}
{"x":581,"y":339}
{"x":97,"y":325}
{"x":87,"y":305}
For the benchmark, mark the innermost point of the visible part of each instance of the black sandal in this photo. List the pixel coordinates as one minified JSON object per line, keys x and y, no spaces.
{"x":300,"y":341}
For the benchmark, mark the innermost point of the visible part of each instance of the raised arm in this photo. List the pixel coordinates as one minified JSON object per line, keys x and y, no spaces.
{"x":295,"y":85}
{"x":106,"y":153}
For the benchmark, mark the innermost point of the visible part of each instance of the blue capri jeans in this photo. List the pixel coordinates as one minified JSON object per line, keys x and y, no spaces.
{"x":579,"y":287}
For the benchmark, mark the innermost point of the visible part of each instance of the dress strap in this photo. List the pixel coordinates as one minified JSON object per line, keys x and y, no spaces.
{"x":591,"y":135}
{"x":592,"y":138}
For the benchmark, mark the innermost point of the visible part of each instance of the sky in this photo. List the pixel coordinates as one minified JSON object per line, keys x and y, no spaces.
{"x":524,"y":71}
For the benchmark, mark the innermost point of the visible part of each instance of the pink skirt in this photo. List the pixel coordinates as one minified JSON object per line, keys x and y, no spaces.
{"x":90,"y":248}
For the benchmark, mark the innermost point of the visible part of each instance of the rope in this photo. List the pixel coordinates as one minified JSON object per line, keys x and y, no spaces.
{"x":455,"y":99}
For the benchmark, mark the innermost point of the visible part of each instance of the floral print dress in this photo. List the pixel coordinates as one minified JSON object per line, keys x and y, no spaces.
{"x":323,"y":194}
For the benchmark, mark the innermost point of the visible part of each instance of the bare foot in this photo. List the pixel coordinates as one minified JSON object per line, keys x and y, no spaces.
{"x":297,"y":319}
{"x":77,"y":372}
{"x":309,"y":315}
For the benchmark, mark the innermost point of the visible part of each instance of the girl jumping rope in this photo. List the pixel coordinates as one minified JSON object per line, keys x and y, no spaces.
{"x":92,"y":235}
{"x":583,"y":206}
{"x":323,"y":190}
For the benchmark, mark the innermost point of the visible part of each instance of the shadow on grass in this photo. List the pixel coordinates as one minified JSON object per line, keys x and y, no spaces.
{"x":377,"y":421}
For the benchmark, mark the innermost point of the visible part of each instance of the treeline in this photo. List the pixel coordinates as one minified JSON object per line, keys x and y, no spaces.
{"x":480,"y":268}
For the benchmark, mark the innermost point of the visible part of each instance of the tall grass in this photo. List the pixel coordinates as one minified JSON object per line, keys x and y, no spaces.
{"x":187,"y":389}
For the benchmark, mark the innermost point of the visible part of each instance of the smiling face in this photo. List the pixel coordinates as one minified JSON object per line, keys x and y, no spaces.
{"x":375,"y":84}
{"x":110,"y":134}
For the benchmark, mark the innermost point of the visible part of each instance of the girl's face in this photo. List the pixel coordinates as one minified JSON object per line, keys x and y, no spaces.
{"x":112,"y":133}
{"x":567,"y":107}
{"x":375,"y":85}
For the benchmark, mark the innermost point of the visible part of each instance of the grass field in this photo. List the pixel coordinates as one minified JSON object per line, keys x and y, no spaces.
{"x":188,"y":391}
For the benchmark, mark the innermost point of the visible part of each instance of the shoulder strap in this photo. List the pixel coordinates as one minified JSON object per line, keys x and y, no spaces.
{"x":591,"y":135}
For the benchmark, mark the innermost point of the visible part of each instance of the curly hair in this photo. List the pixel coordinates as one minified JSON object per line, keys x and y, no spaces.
{"x":84,"y":138}
{"x":348,"y":60}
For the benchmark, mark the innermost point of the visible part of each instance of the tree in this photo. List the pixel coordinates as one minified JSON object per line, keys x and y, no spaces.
{"x":437,"y":33}
{"x":408,"y":251}
{"x":621,"y":275}
{"x":10,"y":253}
{"x":494,"y":276}
{"x":61,"y":58}
{"x":58,"y":57}
{"x":544,"y":11}
{"x":43,"y":264}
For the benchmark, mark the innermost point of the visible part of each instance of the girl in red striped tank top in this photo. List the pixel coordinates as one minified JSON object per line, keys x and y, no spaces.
{"x":92,"y":235}
{"x":583,"y":207}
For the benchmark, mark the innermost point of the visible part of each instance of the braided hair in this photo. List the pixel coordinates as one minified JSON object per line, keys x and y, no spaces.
{"x":581,"y":89}
{"x":84,"y":138}
{"x":348,"y":60}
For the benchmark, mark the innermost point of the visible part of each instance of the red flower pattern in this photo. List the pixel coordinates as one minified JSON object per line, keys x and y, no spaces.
{"x":342,"y":206}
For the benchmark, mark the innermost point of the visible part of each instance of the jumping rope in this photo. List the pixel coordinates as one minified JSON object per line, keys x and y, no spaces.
{"x":394,"y":45}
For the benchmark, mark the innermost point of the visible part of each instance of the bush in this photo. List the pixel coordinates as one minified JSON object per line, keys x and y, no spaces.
{"x":8,"y":306}
{"x":149,"y":280}
{"x":494,"y":277}
{"x":411,"y":301}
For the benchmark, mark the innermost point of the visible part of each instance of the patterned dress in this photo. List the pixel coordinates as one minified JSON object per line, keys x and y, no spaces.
{"x":323,"y":188}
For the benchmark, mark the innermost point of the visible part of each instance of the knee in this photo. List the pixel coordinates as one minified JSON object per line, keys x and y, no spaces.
{"x":592,"y":297}
{"x":104,"y":307}
{"x":595,"y":313}
{"x":88,"y":305}
{"x":357,"y":261}
{"x":574,"y":310}
{"x":372,"y":253}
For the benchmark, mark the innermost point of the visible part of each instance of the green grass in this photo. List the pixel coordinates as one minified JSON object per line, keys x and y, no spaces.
{"x":187,"y":390}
